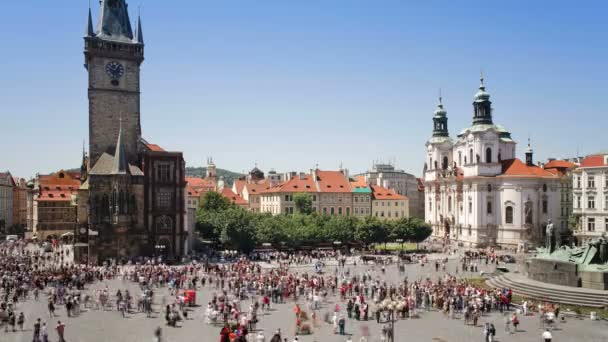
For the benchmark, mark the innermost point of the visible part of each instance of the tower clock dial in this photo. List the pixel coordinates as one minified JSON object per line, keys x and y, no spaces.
{"x":115,"y":70}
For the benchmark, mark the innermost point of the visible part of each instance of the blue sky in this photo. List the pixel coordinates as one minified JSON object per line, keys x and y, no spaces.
{"x":291,"y":84}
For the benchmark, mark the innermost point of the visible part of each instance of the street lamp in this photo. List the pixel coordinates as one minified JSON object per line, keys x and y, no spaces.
{"x":388,"y":308}
{"x":401,"y":242}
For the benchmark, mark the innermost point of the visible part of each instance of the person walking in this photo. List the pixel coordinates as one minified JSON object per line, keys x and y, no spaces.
{"x":44,"y":333}
{"x":342,"y":325}
{"x":515,"y":322}
{"x":21,"y":321}
{"x":157,"y":335}
{"x":546,"y":336}
{"x":60,"y":331}
{"x":36,"y":337}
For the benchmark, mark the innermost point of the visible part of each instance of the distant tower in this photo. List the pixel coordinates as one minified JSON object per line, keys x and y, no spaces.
{"x":440,"y":121}
{"x":482,"y":106}
{"x":211,"y":170}
{"x":84,"y":167}
{"x":529,"y":154}
{"x":113,"y":55}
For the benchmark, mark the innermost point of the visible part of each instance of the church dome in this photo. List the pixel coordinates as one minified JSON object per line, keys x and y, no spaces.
{"x":482,"y":95}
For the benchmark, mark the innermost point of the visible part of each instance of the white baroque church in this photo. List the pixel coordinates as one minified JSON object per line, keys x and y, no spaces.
{"x":478,"y":193}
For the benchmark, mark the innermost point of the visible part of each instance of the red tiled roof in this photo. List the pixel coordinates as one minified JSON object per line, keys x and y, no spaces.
{"x":198,"y":186}
{"x":593,"y":161}
{"x":295,"y":184}
{"x":155,"y":148}
{"x":559,"y":164}
{"x":332,"y":181}
{"x":359,"y":182}
{"x":239,"y":184}
{"x":58,"y":186}
{"x":234,"y":198}
{"x":258,"y":187}
{"x":517,"y":168}
{"x":382,"y":193}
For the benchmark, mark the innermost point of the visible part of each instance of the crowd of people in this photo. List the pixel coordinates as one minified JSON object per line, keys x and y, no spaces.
{"x":243,"y":292}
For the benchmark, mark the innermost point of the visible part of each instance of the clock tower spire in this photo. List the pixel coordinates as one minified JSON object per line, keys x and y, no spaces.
{"x":113,"y":56}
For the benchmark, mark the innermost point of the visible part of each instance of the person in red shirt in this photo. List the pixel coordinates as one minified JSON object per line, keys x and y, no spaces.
{"x":60,"y":331}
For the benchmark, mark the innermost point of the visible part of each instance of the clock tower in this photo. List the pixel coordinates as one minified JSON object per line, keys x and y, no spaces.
{"x":113,"y":56}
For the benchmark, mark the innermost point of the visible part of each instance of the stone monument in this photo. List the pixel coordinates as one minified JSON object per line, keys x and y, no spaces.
{"x":559,"y":264}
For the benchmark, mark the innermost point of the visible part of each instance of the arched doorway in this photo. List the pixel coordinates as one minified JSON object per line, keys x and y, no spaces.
{"x":162,"y":248}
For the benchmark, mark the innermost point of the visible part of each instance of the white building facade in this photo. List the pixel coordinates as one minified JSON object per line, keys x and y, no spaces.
{"x":590,"y":195}
{"x":477,"y":192}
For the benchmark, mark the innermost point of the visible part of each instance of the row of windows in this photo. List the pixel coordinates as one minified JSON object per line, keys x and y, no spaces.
{"x":591,"y":224}
{"x":389,"y":213}
{"x":590,"y":202}
{"x":362,"y":211}
{"x":388,"y":203}
{"x":590,"y":181}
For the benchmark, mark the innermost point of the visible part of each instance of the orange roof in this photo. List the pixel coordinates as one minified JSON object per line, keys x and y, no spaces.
{"x":332,"y":181}
{"x":593,"y":161}
{"x":295,"y":184}
{"x":239,"y":184}
{"x":517,"y":168}
{"x":154,"y":147}
{"x":359,"y":182}
{"x":59,"y":186}
{"x":197,"y":186}
{"x":382,"y":193}
{"x":258,"y":187}
{"x":559,"y":164}
{"x":234,"y":198}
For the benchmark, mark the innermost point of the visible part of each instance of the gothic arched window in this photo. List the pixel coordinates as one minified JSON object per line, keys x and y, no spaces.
{"x":164,"y":224}
{"x":509,"y":215}
{"x":488,"y":155}
{"x":122,"y":203}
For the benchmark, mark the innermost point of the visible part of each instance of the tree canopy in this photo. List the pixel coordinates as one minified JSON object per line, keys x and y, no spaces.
{"x":226,"y":224}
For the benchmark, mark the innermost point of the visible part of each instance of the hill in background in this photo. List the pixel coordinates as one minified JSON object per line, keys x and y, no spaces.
{"x":229,"y":176}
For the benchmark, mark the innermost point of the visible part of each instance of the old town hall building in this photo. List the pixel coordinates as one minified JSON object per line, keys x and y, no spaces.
{"x":477,"y":191}
{"x":131,"y":201}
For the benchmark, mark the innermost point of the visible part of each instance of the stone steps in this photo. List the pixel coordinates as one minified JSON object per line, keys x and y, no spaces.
{"x":551,"y":293}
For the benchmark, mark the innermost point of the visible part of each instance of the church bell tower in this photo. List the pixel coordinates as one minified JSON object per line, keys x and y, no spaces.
{"x":113,"y":56}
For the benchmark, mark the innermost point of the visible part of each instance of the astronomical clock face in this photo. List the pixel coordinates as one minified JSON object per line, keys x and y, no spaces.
{"x":115,"y":70}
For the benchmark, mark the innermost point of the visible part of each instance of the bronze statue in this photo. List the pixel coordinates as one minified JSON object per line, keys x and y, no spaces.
{"x":549,"y":237}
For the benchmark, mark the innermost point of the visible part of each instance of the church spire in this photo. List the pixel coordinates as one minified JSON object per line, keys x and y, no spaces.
{"x":481,"y":105}
{"x":114,"y":23}
{"x":120,"y":164}
{"x":90,"y":32}
{"x":529,"y":155}
{"x":84,"y":167}
{"x":440,"y":120}
{"x":139,"y":34}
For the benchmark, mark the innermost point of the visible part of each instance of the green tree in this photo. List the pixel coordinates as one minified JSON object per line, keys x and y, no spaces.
{"x":236,"y":229}
{"x":420,"y":230}
{"x":303,"y":203}
{"x":401,"y":230}
{"x":214,"y":201}
{"x":370,"y":230}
